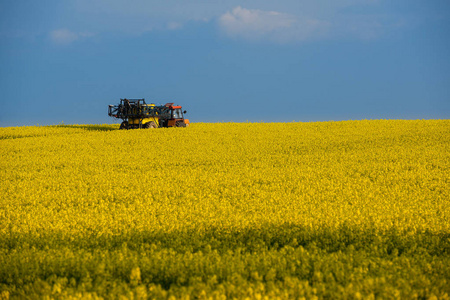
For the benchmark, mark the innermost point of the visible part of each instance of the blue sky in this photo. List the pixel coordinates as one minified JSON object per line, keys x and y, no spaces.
{"x":271,"y":61}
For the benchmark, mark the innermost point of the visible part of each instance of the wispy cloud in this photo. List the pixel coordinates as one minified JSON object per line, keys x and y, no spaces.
{"x":64,"y":36}
{"x":174,"y":25}
{"x":255,"y":24}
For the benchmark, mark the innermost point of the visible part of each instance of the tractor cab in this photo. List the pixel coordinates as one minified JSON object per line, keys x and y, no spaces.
{"x":174,"y":116}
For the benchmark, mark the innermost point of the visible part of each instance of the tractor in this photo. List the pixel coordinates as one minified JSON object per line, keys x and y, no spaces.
{"x":135,"y":113}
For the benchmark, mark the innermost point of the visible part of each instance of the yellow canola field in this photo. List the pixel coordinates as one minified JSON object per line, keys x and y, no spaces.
{"x":88,"y":186}
{"x":72,"y":180}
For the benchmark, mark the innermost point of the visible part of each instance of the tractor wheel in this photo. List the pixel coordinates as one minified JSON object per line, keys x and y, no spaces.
{"x":150,"y":125}
{"x":180,"y":124}
{"x":124,"y":125}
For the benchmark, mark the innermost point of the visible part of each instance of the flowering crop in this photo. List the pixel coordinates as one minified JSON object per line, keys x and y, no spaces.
{"x":353,"y":209}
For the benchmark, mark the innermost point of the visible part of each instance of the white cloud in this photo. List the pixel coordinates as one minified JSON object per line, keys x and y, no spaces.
{"x":64,"y":36}
{"x":255,"y":24}
{"x":275,"y":21}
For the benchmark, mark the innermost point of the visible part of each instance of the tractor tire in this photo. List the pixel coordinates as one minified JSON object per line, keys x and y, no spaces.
{"x":180,"y":124}
{"x":150,"y":125}
{"x":124,"y":125}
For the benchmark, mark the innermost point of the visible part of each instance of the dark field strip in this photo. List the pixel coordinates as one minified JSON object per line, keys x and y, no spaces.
{"x":286,"y":261}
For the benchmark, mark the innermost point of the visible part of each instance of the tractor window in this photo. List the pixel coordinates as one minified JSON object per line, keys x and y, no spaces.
{"x":177,"y":114}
